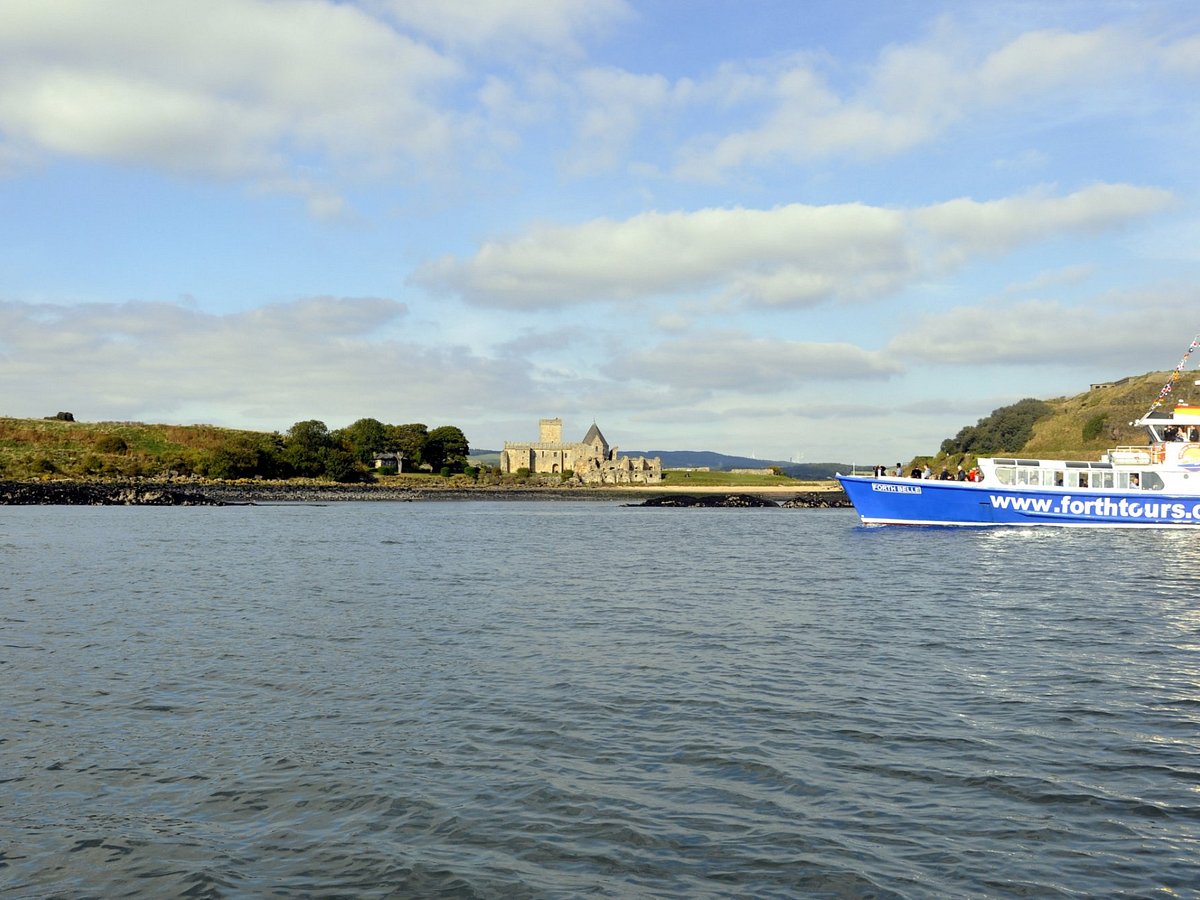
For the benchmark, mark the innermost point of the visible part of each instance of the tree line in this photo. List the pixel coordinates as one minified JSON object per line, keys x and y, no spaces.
{"x":1005,"y":430}
{"x":310,"y":450}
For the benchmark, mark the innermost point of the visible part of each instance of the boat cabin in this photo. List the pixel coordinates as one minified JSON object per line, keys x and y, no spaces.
{"x":1171,"y":461}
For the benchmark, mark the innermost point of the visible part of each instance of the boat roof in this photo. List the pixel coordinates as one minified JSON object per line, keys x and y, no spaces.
{"x":1184,"y":414}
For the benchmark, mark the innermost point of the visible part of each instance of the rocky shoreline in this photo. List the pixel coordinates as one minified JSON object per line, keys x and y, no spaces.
{"x":86,"y":493}
{"x":808,"y":500}
{"x":128,"y":493}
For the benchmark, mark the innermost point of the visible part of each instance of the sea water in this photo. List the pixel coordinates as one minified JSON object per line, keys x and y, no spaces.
{"x":550,"y":699}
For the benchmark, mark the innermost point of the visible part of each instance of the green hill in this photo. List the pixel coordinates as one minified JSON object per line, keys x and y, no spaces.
{"x":1078,"y":427}
{"x":35,"y":447}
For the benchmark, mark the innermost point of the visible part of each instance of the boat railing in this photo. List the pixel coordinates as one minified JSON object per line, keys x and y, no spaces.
{"x":1136,"y":456}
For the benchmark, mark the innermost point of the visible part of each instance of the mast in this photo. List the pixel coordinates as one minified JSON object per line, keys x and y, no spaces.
{"x":1170,"y":385}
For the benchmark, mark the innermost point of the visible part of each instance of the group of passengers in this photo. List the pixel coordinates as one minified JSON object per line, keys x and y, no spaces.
{"x":1178,"y":433}
{"x":927,"y":473}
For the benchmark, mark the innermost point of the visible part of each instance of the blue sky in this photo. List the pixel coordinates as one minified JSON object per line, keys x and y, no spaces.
{"x":813,"y":230}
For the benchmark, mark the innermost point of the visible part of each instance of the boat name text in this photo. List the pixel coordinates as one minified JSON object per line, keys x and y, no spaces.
{"x":896,"y":488}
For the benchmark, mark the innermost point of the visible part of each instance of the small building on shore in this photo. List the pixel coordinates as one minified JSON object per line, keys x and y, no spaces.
{"x":591,"y":460}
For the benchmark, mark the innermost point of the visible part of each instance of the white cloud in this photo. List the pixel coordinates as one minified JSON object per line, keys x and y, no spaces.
{"x":1113,"y":332}
{"x":790,"y":256}
{"x":738,"y":362}
{"x":334,"y":359}
{"x":507,"y":27}
{"x":227,"y":88}
{"x":793,"y":254}
{"x":972,"y":227}
{"x":915,"y":92}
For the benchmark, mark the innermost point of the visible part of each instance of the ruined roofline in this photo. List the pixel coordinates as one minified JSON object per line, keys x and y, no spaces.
{"x":539,"y":445}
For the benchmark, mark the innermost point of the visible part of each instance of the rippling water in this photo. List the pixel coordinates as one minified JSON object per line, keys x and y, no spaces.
{"x":551,"y":698}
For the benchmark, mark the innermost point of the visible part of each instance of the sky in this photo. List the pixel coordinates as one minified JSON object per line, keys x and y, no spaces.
{"x":790,"y":229}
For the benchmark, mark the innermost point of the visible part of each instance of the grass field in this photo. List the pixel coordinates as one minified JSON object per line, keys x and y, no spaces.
{"x":679,"y":478}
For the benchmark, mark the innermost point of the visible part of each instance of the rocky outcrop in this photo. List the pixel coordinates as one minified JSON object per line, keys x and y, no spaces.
{"x":810,"y":500}
{"x":710,"y":500}
{"x":81,"y":493}
{"x":819,"y":500}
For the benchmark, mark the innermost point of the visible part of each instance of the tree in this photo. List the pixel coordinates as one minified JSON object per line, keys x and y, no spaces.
{"x":364,"y":438}
{"x":446,"y":447}
{"x":339,"y":465}
{"x":242,"y":456}
{"x":304,"y":446}
{"x":1006,"y":430}
{"x":408,"y":440}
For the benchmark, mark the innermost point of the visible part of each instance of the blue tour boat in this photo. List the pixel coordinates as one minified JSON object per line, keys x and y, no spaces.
{"x":1156,"y":485}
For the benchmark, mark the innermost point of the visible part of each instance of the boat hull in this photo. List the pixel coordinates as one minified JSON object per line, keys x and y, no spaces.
{"x":904,"y":501}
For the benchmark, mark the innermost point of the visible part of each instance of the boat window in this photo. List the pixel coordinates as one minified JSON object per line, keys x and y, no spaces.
{"x":1102,"y":479}
{"x":1058,"y":478}
{"x":1004,"y":475}
{"x":1151,"y":482}
{"x":1083,"y":479}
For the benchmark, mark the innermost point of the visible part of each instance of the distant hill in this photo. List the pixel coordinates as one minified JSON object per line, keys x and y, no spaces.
{"x":682,"y":459}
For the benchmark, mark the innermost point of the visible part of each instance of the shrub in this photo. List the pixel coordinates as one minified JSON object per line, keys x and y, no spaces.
{"x":1094,"y":426}
{"x":111,"y":443}
{"x":522,"y":473}
{"x":91,"y":464}
{"x":43,"y":464}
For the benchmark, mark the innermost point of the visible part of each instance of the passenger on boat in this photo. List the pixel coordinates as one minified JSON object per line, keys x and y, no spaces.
{"x":1134,"y":480}
{"x":926,"y":472}
{"x":945,"y":476}
{"x":916,"y":472}
{"x":962,"y":474}
{"x":1194,"y":434}
{"x":899,"y":470}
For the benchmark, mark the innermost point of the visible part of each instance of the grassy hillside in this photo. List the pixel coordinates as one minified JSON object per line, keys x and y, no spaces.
{"x":1089,"y":423}
{"x":35,"y":447}
{"x":723,"y":479}
{"x":1086,"y":424}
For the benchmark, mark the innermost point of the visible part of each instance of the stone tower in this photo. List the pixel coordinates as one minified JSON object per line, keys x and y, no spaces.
{"x":550,"y":431}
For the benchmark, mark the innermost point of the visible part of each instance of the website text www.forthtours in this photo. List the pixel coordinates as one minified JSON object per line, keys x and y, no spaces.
{"x":1105,"y":507}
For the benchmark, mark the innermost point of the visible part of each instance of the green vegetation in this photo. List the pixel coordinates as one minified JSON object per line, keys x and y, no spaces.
{"x":65,"y":448}
{"x":1094,"y":427}
{"x":1078,"y":427}
{"x":1006,"y":430}
{"x":678,"y":477}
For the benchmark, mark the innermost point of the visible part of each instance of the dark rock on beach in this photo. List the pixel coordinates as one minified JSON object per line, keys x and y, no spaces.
{"x":709,"y":500}
{"x":809,"y":500}
{"x":78,"y":493}
{"x":819,"y":500}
